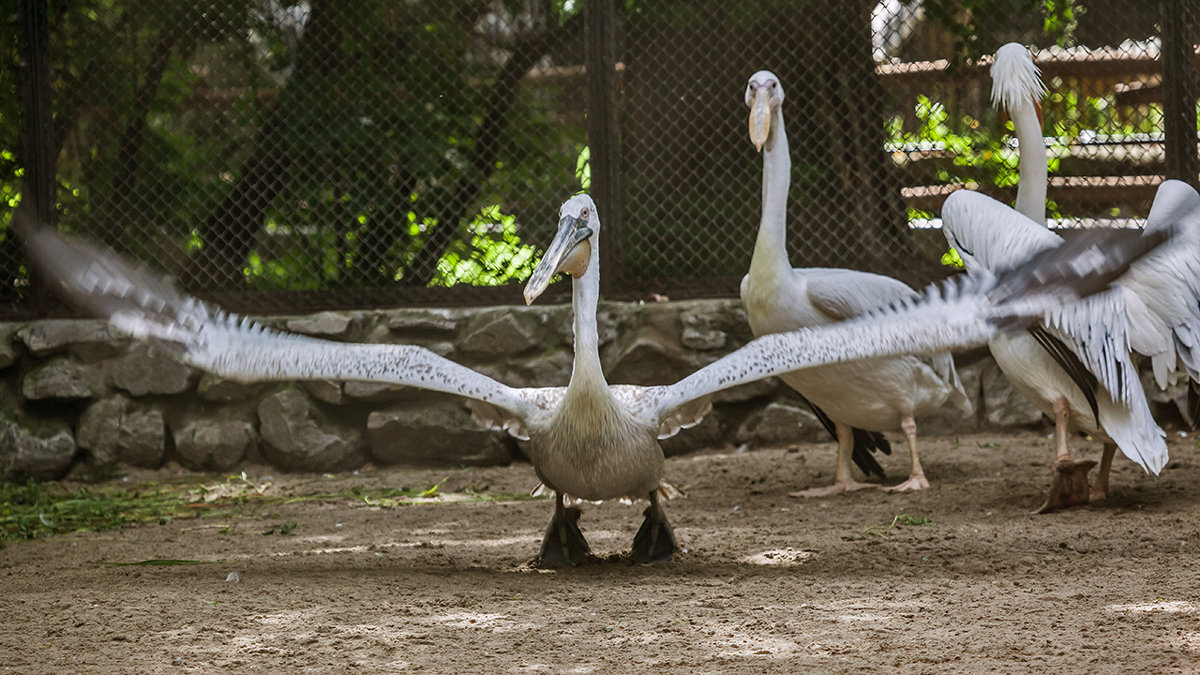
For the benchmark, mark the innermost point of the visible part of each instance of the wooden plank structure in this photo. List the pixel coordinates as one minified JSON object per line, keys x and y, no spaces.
{"x":1113,"y":173}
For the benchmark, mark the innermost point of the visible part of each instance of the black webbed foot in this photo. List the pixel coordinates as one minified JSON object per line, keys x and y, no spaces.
{"x":655,"y":540}
{"x":564,"y":543}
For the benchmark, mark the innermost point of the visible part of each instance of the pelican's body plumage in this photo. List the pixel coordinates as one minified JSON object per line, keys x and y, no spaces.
{"x":875,"y":395}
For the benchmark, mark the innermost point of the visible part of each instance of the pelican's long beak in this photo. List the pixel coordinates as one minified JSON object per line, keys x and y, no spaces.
{"x":570,"y":252}
{"x":760,"y":119}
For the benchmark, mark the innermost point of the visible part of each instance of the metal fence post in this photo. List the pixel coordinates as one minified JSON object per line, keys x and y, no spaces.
{"x":603,"y":132}
{"x":37,"y":122}
{"x":1179,"y":92}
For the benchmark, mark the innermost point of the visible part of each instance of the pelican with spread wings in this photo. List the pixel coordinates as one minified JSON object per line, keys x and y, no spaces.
{"x":588,"y":440}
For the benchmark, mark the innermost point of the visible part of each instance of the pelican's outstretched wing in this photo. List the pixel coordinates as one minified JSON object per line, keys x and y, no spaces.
{"x":139,"y":304}
{"x":994,"y":237}
{"x":1166,"y":286}
{"x":991,"y":236}
{"x":961,"y":313}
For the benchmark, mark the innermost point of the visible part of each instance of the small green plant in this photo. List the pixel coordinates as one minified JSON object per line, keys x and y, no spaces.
{"x":433,"y":491}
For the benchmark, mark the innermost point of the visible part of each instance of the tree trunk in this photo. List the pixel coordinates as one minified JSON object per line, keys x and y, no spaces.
{"x":229,"y":229}
{"x":460,"y":204}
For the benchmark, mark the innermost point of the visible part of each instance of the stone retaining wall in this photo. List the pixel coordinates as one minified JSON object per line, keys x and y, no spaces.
{"x":74,"y":395}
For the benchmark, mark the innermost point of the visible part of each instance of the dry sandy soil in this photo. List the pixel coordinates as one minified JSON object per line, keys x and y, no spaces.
{"x":766,"y":582}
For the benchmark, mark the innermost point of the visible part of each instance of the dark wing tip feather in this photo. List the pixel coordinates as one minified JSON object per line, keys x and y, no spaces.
{"x":865,"y":443}
{"x":1193,"y":404}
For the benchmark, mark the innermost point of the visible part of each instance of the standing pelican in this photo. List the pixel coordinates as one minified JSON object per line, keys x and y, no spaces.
{"x":588,"y":440}
{"x":1151,"y":312}
{"x":875,"y":395}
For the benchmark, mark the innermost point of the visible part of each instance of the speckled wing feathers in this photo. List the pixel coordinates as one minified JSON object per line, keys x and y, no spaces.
{"x":145,"y":307}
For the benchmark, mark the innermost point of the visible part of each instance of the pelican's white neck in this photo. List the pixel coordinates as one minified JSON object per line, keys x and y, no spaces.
{"x":1031,"y":186}
{"x":585,"y":295}
{"x":770,"y":248}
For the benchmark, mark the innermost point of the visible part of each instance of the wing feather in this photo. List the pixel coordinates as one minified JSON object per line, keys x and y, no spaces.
{"x":963,"y":312}
{"x":991,"y":236}
{"x":946,"y":319}
{"x":845,"y":294}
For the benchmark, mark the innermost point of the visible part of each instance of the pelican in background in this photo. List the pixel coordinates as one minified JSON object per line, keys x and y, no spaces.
{"x":589,"y":440}
{"x":1017,"y":89}
{"x":1058,"y":368}
{"x":874,"y":395}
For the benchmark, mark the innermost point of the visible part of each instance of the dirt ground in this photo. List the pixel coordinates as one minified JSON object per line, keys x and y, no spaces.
{"x":766,"y":582}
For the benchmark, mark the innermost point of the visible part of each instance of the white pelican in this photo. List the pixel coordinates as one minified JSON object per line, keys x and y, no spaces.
{"x":1017,"y":89}
{"x":875,"y":395}
{"x":588,"y":440}
{"x":1049,"y":366}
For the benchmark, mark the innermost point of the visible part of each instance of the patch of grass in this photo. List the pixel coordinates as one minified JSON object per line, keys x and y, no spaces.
{"x":35,"y":509}
{"x":285,"y":528}
{"x":898,"y":521}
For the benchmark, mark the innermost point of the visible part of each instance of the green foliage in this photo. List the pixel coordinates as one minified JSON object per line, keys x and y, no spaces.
{"x":973,"y":24}
{"x":370,"y":111}
{"x":979,"y":150}
{"x":951,"y":258}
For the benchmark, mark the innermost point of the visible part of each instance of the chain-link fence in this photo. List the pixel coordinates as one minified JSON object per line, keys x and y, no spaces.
{"x":284,"y":156}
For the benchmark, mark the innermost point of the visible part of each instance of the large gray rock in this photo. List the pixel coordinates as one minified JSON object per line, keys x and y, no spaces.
{"x":328,"y":391}
{"x":701,"y":329}
{"x":751,"y":390}
{"x":43,"y":454}
{"x":548,"y":370}
{"x":375,"y":391}
{"x":145,"y":371}
{"x":214,"y":445}
{"x":1003,"y":405}
{"x":59,"y":379}
{"x":647,"y":359}
{"x":439,"y":432}
{"x":503,"y":332}
{"x":323,"y":324}
{"x":98,"y":430}
{"x":780,"y":423}
{"x":142,"y":438}
{"x":88,"y":339}
{"x":116,"y":430}
{"x":421,"y":321}
{"x":297,"y":437}
{"x":220,"y":390}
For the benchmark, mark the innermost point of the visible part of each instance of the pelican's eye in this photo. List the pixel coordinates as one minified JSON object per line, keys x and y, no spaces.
{"x":583,"y":215}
